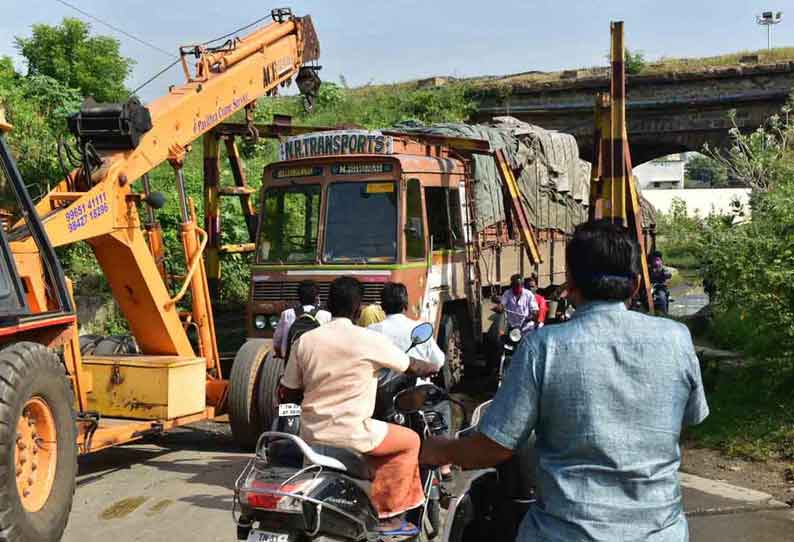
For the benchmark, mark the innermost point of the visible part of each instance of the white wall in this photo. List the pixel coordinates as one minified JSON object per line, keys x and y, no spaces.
{"x":701,"y":201}
{"x":667,"y":169}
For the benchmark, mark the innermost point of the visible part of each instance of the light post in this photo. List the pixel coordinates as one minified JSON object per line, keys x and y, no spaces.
{"x":768,"y":19}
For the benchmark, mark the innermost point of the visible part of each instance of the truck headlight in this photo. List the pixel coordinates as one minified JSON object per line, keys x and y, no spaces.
{"x":273,"y":321}
{"x":260,"y":321}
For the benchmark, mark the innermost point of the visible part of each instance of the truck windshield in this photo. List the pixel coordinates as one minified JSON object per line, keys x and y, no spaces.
{"x":290,"y":218}
{"x":361,"y":224}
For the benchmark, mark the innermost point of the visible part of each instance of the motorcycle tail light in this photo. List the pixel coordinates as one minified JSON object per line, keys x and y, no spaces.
{"x":267,"y":496}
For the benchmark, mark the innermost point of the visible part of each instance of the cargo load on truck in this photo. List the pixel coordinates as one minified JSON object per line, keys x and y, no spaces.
{"x":554,"y":181}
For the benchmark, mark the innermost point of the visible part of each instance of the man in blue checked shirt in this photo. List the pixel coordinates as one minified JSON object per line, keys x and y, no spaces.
{"x":607,"y":395}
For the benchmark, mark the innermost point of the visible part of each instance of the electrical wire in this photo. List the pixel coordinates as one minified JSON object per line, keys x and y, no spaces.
{"x":246,"y":27}
{"x":115,"y":28}
{"x":155,"y":76}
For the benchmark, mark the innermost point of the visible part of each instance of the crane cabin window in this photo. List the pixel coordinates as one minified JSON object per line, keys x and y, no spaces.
{"x":289,"y":223}
{"x":361,"y":222}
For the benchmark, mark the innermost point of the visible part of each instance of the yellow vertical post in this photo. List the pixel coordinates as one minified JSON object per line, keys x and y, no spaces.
{"x":212,"y":213}
{"x":615,"y":205}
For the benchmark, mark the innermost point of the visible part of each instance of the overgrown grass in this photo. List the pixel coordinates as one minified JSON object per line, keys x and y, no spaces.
{"x":650,"y":67}
{"x":752,"y":412}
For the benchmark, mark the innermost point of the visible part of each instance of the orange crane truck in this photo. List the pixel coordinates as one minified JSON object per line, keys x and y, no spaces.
{"x":56,"y":403}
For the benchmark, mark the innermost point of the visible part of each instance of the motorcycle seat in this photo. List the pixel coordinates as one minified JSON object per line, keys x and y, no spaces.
{"x":356,"y":464}
{"x":284,"y":447}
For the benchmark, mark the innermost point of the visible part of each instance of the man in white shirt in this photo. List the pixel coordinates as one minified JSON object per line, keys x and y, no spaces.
{"x":307,"y":295}
{"x":397,"y":326}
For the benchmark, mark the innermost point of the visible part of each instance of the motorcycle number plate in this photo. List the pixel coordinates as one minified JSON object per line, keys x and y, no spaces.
{"x":262,"y":536}
{"x":289,"y":409}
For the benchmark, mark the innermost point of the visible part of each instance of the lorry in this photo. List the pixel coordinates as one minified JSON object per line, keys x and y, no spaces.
{"x":450,"y":211}
{"x":57,"y":403}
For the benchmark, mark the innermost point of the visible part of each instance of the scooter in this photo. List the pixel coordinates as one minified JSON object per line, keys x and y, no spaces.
{"x":489,"y":504}
{"x":292,"y":491}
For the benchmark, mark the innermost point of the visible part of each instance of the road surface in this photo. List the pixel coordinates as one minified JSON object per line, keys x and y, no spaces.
{"x":179,"y":487}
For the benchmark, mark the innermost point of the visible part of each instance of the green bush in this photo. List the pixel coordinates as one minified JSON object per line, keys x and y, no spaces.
{"x":679,"y":236}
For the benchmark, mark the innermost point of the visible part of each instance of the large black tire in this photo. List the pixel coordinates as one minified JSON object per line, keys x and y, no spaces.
{"x":116,"y":345}
{"x":451,"y":342}
{"x":272,"y":371}
{"x":29,"y":371}
{"x":88,"y":344}
{"x":245,"y":416}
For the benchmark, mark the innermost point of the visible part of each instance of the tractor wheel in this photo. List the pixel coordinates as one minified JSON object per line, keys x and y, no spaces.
{"x":451,"y":342}
{"x":272,"y":372}
{"x":245,"y":417}
{"x":37,"y":443}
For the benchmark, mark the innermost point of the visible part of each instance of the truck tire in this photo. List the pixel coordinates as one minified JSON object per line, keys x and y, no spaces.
{"x":88,"y":344}
{"x":272,"y":371}
{"x":116,"y":345}
{"x":38,"y":444}
{"x":451,"y":342}
{"x":245,"y":417}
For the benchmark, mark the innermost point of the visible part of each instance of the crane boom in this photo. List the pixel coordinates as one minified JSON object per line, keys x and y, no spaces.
{"x":121,"y":143}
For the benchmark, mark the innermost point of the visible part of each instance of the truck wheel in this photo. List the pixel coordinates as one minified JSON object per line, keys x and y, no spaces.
{"x":272,"y":372}
{"x":451,"y":343}
{"x":38,"y":444}
{"x":245,"y":417}
{"x":116,"y":345}
{"x":88,"y":344}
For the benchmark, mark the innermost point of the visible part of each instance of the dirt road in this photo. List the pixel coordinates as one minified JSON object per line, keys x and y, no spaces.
{"x":179,"y":487}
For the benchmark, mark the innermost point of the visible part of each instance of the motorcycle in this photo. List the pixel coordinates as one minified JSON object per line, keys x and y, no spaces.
{"x":510,"y":341}
{"x":292,"y":491}
{"x":661,"y":298}
{"x":491,"y":503}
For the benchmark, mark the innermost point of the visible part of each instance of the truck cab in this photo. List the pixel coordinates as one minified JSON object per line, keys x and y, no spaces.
{"x":375,"y":206}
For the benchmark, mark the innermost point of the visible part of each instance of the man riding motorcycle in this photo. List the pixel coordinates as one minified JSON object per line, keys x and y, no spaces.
{"x":519,"y":304}
{"x":332,"y":372}
{"x":659,"y":276}
{"x":598,"y":393}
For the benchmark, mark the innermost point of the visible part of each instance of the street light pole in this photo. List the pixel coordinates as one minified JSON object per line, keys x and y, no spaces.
{"x":768,"y":19}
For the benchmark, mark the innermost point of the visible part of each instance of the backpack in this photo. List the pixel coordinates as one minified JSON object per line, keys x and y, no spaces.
{"x":304,"y":321}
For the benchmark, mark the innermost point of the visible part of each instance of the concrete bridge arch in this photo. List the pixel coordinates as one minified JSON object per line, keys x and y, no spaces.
{"x":667,"y":113}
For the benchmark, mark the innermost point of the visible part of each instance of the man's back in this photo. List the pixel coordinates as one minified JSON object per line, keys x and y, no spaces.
{"x":335,"y":365}
{"x":607,"y":394}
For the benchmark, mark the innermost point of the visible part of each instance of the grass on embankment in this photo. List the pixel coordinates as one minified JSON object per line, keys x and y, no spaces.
{"x":752,"y":413}
{"x":752,"y":405}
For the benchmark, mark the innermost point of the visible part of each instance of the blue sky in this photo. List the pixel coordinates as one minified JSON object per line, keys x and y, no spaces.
{"x":386,"y":41}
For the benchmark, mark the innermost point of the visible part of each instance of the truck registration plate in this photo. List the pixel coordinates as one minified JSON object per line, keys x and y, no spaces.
{"x":262,"y":536}
{"x":289,"y":409}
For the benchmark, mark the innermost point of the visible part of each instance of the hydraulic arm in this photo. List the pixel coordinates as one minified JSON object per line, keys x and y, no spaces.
{"x":119,"y":144}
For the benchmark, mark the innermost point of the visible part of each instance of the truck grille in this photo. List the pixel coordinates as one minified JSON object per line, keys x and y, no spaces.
{"x":265,"y":291}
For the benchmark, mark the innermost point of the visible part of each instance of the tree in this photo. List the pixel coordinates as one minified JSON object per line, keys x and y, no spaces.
{"x":705,"y":169}
{"x":68,"y":53}
{"x":634,"y":62}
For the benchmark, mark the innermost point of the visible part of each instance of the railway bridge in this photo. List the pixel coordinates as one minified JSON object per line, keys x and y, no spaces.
{"x":667,"y":112}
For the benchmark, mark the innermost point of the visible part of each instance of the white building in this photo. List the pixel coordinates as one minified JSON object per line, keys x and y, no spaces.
{"x":665,"y":172}
{"x":702,"y":202}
